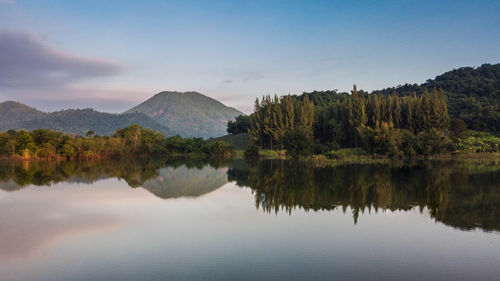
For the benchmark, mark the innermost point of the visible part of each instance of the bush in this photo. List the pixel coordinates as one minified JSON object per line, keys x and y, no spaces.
{"x":397,"y":143}
{"x":297,"y":143}
{"x":479,"y":142}
{"x":219,"y":149}
{"x":344,"y":153}
{"x":433,"y":142}
{"x":252,"y":152}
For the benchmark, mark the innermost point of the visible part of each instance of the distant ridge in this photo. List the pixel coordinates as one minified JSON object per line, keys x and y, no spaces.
{"x":191,"y":114}
{"x":14,"y":115}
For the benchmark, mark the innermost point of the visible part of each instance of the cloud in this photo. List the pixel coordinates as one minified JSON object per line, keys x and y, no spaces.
{"x":251,"y":75}
{"x":28,"y":63}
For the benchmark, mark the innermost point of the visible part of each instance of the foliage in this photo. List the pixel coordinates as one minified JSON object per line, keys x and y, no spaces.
{"x":473,"y":95}
{"x":219,"y":149}
{"x":382,"y":124}
{"x":239,"y":126}
{"x":272,"y":118}
{"x":239,"y":141}
{"x":252,"y":152}
{"x":396,"y":143}
{"x":346,"y":153}
{"x":479,"y":142}
{"x":72,"y":121}
{"x":297,"y":143}
{"x":132,"y":140}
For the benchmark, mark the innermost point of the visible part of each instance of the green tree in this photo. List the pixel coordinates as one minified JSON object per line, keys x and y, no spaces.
{"x":297,"y":143}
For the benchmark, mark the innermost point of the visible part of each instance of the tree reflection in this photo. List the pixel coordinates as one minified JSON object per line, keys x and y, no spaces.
{"x":463,"y":195}
{"x":165,"y":178}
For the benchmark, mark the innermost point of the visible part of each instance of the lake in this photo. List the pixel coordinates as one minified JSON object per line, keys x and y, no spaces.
{"x":151,"y":219}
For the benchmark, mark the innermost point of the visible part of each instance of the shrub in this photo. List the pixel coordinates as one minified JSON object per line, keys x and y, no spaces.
{"x":252,"y":152}
{"x":479,"y":142}
{"x":297,"y":143}
{"x":219,"y":149}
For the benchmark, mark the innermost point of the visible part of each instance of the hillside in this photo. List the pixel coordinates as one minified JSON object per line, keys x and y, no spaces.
{"x":12,"y":114}
{"x":191,"y":114}
{"x":473,"y":95}
{"x":239,"y":141}
{"x":72,"y":121}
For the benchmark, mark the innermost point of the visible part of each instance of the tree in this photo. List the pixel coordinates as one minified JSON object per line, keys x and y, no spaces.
{"x":297,"y":143}
{"x":459,"y":128}
{"x":239,"y":126}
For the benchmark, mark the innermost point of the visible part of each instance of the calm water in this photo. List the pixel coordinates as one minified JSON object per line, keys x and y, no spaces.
{"x":270,"y":220}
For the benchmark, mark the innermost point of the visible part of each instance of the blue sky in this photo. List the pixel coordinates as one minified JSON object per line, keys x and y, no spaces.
{"x":110,"y":55}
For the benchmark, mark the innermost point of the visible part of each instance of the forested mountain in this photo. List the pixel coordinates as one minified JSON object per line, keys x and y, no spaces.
{"x":473,"y":95}
{"x":190,"y":114}
{"x":458,"y":110}
{"x":80,"y":121}
{"x":12,"y":114}
{"x":73,"y":121}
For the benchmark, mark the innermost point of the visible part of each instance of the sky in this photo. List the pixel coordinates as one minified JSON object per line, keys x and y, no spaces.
{"x":111,"y":55}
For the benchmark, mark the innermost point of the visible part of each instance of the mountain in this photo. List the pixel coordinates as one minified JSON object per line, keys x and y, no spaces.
{"x":72,"y":121}
{"x":473,"y":95}
{"x":191,"y":114}
{"x":12,"y":114}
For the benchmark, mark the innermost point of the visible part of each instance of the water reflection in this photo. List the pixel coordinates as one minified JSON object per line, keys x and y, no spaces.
{"x":165,"y":178}
{"x":464,"y":195}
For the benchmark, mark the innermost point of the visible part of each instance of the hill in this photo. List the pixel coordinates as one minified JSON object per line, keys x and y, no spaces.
{"x":238,"y":141}
{"x":473,"y":95}
{"x":12,"y":114}
{"x":72,"y":121}
{"x":191,"y":114}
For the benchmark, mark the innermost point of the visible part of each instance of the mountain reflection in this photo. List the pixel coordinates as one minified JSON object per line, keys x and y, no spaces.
{"x":165,"y":178}
{"x":462,"y":195}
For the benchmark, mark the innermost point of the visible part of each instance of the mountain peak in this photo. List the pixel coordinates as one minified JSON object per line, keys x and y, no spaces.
{"x":191,"y":114}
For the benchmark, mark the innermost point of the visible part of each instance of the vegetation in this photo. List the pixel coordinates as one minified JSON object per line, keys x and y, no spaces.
{"x":252,"y":152}
{"x":18,"y":116}
{"x":239,"y":141}
{"x":239,"y":126}
{"x":219,"y":149}
{"x":297,"y":143}
{"x":405,"y":121}
{"x":473,"y":95}
{"x":132,"y":140}
{"x":14,"y":114}
{"x":479,"y":142}
{"x":381,"y":124}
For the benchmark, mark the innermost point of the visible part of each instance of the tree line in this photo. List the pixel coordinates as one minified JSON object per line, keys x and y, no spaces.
{"x":385,"y":124}
{"x":473,"y":95}
{"x":130,"y":141}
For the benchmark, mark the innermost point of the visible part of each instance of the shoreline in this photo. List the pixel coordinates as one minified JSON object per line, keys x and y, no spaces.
{"x":281,"y":155}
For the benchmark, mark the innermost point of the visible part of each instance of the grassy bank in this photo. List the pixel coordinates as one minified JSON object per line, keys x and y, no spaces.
{"x":358,"y":155}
